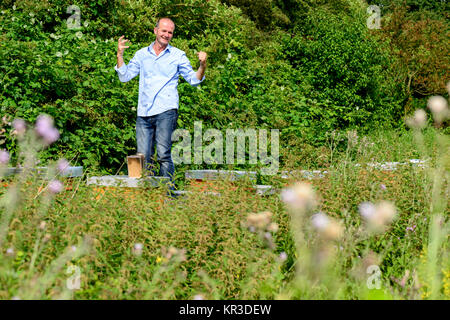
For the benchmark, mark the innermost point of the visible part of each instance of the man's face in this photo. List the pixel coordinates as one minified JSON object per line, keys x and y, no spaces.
{"x":164,"y":32}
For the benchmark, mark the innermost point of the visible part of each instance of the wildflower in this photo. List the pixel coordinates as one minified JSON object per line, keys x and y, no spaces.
{"x":386,"y":211}
{"x":4,"y":157}
{"x":62,"y":166}
{"x":44,"y":127}
{"x":259,"y":221}
{"x":327,"y":227}
{"x":10,"y":252}
{"x":55,"y":186}
{"x":19,"y":126}
{"x":199,"y":297}
{"x":383,"y":187}
{"x":283,"y":256}
{"x":412,"y":229}
{"x":42,"y":225}
{"x":137,"y":249}
{"x":439,"y":107}
{"x":367,"y":210}
{"x":172,"y":252}
{"x":79,"y":34}
{"x":419,"y":120}
{"x":73,"y":248}
{"x":300,"y":196}
{"x":377,"y":216}
{"x":273,"y":227}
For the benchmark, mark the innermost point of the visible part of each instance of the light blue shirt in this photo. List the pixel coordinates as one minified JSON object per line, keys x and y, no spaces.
{"x":158,"y":78}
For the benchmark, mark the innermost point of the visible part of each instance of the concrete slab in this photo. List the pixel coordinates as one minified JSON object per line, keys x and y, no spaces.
{"x":265,"y":190}
{"x":219,"y":174}
{"x":70,"y":172}
{"x":185,"y":192}
{"x":73,"y":172}
{"x":307,"y":174}
{"x":125,"y":181}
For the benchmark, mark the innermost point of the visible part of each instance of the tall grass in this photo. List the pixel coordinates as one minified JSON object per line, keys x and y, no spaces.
{"x":357,"y":233}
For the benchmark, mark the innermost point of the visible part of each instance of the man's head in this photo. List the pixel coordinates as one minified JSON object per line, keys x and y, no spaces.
{"x":164,"y":31}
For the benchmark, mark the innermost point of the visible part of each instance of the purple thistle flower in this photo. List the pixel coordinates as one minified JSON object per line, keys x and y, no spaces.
{"x":4,"y":157}
{"x":62,"y":165}
{"x":44,"y":127}
{"x":367,"y":210}
{"x":283,"y":256}
{"x":19,"y":126}
{"x":43,"y":124}
{"x":55,"y":186}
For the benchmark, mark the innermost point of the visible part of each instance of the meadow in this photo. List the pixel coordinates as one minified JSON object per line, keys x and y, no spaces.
{"x":359,"y":232}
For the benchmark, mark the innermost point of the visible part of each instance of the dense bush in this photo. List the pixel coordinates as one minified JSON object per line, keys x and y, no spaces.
{"x":320,"y":72}
{"x":419,"y":40}
{"x":345,"y":71}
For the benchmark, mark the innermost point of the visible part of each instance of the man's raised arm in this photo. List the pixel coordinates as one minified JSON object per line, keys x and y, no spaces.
{"x":126,"y":72}
{"x":202,"y":56}
{"x":120,"y":49}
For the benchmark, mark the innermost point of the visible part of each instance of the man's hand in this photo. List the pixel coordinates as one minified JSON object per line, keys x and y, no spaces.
{"x":121,"y":45}
{"x":201,"y":70}
{"x":202,"y":56}
{"x":120,"y":49}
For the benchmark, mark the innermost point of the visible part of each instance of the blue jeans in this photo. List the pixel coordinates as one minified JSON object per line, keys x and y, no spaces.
{"x":157,"y":130}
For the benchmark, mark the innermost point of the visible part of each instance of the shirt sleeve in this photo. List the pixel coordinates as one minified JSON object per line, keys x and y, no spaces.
{"x":187,"y":72}
{"x":128,"y":72}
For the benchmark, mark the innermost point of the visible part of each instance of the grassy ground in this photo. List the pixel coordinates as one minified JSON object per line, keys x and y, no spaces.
{"x":123,"y":243}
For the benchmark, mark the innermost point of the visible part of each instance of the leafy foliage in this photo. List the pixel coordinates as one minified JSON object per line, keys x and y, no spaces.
{"x":303,"y":67}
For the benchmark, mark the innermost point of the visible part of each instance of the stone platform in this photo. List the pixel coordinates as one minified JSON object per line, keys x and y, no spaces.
{"x":70,"y":172}
{"x":127,"y":182}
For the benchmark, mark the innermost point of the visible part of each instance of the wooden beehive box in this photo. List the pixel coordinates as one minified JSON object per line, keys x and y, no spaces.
{"x":135,"y":165}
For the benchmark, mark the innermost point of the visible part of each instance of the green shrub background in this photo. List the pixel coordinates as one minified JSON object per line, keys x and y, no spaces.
{"x":303,"y":67}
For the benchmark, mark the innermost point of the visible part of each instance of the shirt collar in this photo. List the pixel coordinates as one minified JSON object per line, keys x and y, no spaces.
{"x":150,"y":48}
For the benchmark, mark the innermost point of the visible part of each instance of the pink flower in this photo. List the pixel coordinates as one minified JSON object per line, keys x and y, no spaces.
{"x":62,"y":165}
{"x":367,"y":210}
{"x":44,"y":127}
{"x":55,"y":186}
{"x":19,"y":126}
{"x":4,"y":157}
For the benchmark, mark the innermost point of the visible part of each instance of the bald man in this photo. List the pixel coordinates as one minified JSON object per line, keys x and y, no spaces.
{"x":159,"y":66}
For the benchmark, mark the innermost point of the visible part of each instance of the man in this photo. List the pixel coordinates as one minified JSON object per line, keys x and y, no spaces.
{"x":159,"y":66}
